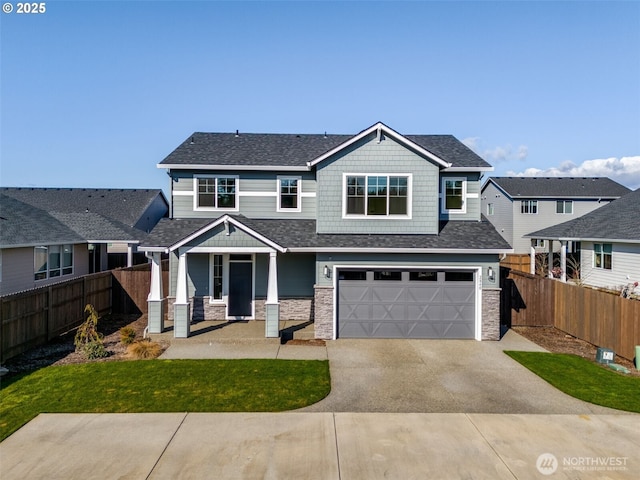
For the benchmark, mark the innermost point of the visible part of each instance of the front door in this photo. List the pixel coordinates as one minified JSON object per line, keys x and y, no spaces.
{"x":240,"y":289}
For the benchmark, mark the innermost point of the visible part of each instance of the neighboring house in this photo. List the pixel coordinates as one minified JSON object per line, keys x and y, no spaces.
{"x":53,"y":234}
{"x":517,"y":206}
{"x":370,"y":235}
{"x":609,"y":239}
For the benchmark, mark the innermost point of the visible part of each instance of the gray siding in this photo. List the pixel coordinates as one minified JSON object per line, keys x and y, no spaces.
{"x":198,"y":274}
{"x":408,"y":260}
{"x":296,"y":275}
{"x":152,"y":214}
{"x":370,"y":157}
{"x":216,"y":237}
{"x":18,"y":274}
{"x":471,"y":201}
{"x":249,"y":186}
{"x":502,"y":219}
{"x":625,"y":261}
{"x":546,"y":217}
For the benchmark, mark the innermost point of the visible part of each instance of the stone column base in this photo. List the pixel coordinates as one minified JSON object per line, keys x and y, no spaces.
{"x":491,"y":314}
{"x":323,"y":318}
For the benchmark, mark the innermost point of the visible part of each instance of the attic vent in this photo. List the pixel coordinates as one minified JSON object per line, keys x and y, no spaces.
{"x":192,"y":142}
{"x":325,"y":134}
{"x":237,"y":133}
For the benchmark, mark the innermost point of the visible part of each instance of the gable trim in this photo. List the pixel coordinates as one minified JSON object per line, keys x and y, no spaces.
{"x":227,"y":219}
{"x":267,"y":168}
{"x":379,"y":128}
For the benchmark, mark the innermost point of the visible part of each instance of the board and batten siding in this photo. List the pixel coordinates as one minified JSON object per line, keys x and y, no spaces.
{"x":502,"y":218}
{"x":625,"y":261}
{"x":370,"y":157}
{"x":525,"y":223}
{"x":257,"y":194}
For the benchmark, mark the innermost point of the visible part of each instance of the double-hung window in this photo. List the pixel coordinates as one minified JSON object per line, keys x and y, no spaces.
{"x":454,"y":191}
{"x":602,"y":253}
{"x":564,"y":206}
{"x":529,"y":206}
{"x":216,"y":193}
{"x":289,"y":194}
{"x":52,"y":261}
{"x":377,"y":195}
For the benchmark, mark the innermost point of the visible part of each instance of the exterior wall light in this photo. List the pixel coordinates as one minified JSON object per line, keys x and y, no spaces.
{"x":326,"y":271}
{"x":491,"y":274}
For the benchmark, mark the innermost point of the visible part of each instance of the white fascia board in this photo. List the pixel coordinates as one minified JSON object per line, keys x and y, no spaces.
{"x":468,"y":169}
{"x":235,"y":223}
{"x":389,"y":132}
{"x":154,"y":249}
{"x":114,"y":241}
{"x":582,"y":239}
{"x":464,"y":251}
{"x":266,"y":168}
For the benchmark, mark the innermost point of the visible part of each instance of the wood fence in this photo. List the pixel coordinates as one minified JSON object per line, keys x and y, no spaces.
{"x":37,"y":316}
{"x":600,"y":318}
{"x":516,"y":261}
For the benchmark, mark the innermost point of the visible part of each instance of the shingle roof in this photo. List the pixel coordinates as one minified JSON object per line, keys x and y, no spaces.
{"x":293,"y":150}
{"x":32,"y":216}
{"x":22,"y":225}
{"x":618,"y":220}
{"x":125,"y":205}
{"x":557,"y":187}
{"x":292,"y":234}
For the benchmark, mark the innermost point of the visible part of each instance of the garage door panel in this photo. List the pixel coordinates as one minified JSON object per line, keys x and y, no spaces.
{"x":441,"y":307}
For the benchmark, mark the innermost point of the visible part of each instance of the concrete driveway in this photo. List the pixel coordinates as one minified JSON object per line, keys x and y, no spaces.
{"x":440,"y":376}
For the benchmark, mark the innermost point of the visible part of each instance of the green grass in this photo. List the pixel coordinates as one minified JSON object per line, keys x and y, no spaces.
{"x":580,"y":378}
{"x":163,"y":386}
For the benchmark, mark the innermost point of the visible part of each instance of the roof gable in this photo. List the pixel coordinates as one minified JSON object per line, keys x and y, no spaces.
{"x":268,"y":151}
{"x":558,"y":187}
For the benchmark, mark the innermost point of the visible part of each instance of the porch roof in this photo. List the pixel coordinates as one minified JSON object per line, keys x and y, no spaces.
{"x":300,"y":235}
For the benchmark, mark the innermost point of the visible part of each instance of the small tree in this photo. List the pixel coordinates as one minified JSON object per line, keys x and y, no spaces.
{"x":88,"y":340}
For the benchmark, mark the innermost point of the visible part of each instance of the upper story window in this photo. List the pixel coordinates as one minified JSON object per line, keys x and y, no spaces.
{"x":377,"y":195}
{"x":602,"y":253}
{"x":490,"y":209}
{"x":529,"y":206}
{"x":52,"y":261}
{"x":215,"y":193}
{"x":289,"y":194}
{"x":454,"y":191}
{"x":564,"y":206}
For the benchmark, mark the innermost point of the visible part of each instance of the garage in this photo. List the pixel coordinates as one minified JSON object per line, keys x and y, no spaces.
{"x":384,"y":303}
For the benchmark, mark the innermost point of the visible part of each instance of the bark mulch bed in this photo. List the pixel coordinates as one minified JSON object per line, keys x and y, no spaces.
{"x":557,"y":341}
{"x":61,"y":351}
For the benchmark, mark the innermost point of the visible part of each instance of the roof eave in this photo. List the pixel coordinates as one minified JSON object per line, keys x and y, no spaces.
{"x":175,"y":166}
{"x":487,"y":251}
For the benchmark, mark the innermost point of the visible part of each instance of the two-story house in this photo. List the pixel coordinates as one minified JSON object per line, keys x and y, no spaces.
{"x":376,"y":234}
{"x":517,"y":206}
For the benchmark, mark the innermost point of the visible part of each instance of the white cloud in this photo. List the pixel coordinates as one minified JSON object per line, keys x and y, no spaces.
{"x":625,"y":170}
{"x":499,"y":154}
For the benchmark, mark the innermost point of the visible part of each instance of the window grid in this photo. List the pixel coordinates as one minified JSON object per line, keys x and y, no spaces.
{"x":453,"y":193}
{"x":382,"y":195}
{"x":288,"y":193}
{"x":217,"y":192}
{"x":217,"y":277}
{"x":529,"y":206}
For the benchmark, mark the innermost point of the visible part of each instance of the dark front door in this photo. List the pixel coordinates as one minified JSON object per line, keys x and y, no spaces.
{"x":240,"y":289}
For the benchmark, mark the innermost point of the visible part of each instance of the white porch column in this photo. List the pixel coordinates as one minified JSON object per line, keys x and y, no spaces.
{"x":181,"y":307}
{"x":550,"y":259}
{"x":272,"y":305}
{"x":563,"y":260}
{"x":155,"y":301}
{"x":532,"y":260}
{"x":129,"y":255}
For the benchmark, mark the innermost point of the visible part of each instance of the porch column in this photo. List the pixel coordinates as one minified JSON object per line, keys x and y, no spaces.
{"x":550,"y":259}
{"x":155,"y":301}
{"x":272,"y":305}
{"x":129,"y":255}
{"x":563,"y":260}
{"x":181,"y":307}
{"x":532,"y":260}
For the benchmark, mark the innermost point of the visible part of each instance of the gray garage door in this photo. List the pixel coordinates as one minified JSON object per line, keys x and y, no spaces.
{"x":406,"y":304}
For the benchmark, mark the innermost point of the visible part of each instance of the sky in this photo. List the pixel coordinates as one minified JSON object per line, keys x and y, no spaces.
{"x":97,"y":93}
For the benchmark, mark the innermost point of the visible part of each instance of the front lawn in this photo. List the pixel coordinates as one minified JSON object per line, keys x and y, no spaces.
{"x":163,"y":386}
{"x":583,"y":379}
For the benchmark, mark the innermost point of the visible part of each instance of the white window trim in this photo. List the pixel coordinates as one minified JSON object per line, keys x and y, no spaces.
{"x":602,"y":253}
{"x":225,"y":268}
{"x":529,"y":201}
{"x":443,"y":197}
{"x":198,"y":208}
{"x":564,"y":207}
{"x":351,"y":216}
{"x":279,"y":191}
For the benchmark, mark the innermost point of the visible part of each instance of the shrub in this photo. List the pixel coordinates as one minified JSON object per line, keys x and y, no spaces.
{"x":127,"y":335}
{"x":88,"y":340}
{"x":144,"y":349}
{"x":95,"y":350}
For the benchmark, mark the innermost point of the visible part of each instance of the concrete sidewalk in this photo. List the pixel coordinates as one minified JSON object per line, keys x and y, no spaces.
{"x":322,"y":446}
